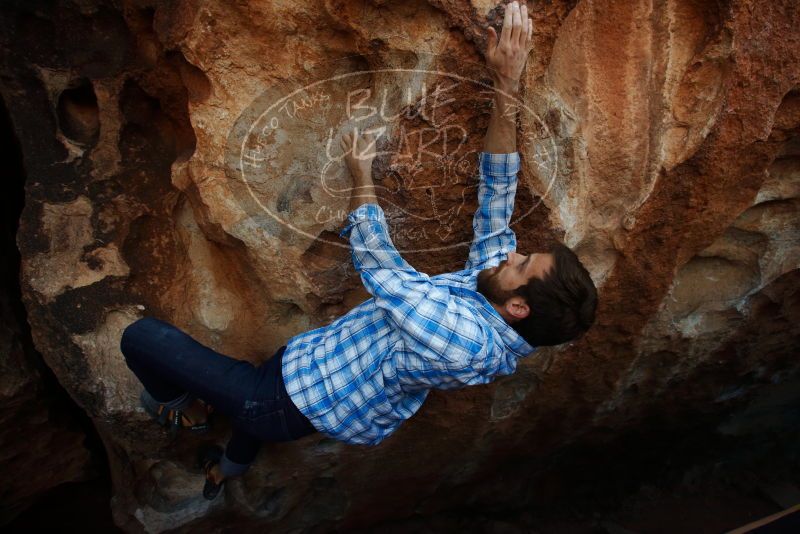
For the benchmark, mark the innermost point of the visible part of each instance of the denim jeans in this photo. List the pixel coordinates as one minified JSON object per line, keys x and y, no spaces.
{"x":175,"y":369}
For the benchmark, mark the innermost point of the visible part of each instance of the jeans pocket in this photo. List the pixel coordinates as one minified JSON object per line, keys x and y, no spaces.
{"x":267,"y":423}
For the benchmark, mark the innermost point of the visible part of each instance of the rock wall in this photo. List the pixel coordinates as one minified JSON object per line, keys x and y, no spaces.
{"x":659,"y":139}
{"x":42,"y":440}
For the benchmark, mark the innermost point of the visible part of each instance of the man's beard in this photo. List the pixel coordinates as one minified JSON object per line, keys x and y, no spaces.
{"x":489,"y":286}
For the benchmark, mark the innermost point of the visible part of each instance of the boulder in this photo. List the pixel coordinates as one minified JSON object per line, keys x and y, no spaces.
{"x":179,"y":165}
{"x":43,"y":433}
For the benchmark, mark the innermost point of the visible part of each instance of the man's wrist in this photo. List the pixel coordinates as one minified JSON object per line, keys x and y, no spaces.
{"x":362,"y":179}
{"x":506,"y":85}
{"x":362,"y":211}
{"x":506,"y":102}
{"x":363,"y":191}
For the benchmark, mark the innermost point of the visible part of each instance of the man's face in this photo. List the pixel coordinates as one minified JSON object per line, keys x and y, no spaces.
{"x":497,"y":283}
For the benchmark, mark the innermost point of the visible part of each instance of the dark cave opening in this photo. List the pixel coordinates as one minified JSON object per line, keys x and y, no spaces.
{"x":68,"y":499}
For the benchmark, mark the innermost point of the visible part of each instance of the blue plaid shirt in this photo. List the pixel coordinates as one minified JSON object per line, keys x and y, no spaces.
{"x":361,"y":376}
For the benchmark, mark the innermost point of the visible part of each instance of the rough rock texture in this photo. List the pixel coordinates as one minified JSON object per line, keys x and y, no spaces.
{"x":659,"y":139}
{"x":41,"y":439}
{"x":41,"y":444}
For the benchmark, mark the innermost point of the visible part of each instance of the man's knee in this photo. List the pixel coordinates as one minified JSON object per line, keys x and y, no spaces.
{"x":138,"y":329}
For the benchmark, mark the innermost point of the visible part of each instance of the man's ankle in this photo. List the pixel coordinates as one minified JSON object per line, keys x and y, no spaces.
{"x":215,"y":474}
{"x":196,"y":412}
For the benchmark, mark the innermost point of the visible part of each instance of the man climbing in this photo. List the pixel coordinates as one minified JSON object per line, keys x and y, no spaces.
{"x":357,"y":379}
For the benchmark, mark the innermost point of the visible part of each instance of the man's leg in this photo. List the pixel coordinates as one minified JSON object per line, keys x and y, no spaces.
{"x":240,"y":453}
{"x":158,"y":389}
{"x":174,"y":368}
{"x":171,"y":364}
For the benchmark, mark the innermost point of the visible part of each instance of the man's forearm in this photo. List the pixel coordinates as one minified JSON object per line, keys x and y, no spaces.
{"x":501,"y":136}
{"x":363,"y":193}
{"x":359,"y":154}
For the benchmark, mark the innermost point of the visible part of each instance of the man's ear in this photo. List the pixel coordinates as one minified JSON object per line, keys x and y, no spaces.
{"x":517,"y":308}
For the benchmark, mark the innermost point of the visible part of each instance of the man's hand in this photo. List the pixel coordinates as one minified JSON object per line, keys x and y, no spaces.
{"x":506,"y":56}
{"x":359,"y":153}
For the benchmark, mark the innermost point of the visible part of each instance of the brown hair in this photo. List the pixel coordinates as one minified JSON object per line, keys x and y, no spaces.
{"x":562,"y":304}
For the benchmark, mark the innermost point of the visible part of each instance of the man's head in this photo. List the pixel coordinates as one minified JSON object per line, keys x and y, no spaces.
{"x":548,"y":298}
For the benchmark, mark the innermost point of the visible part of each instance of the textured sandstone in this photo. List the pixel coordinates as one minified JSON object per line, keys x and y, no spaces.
{"x":42,"y":443}
{"x":34,"y":424}
{"x":660,"y":139}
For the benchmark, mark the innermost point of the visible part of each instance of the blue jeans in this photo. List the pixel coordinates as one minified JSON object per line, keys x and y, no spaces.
{"x":175,"y":369}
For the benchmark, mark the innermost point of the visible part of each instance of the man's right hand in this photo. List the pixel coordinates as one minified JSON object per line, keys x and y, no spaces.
{"x":506,"y":56}
{"x":359,"y":153}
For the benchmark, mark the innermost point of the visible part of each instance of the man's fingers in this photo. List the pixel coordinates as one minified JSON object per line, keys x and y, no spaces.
{"x":524,"y":21}
{"x":530,"y":32}
{"x":369,"y":144}
{"x":505,"y":33}
{"x":516,"y":22}
{"x":363,"y":145}
{"x":358,"y":146}
{"x":492,"y":43}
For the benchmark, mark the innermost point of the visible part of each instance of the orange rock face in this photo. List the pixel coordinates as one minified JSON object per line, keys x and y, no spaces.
{"x":179,"y":165}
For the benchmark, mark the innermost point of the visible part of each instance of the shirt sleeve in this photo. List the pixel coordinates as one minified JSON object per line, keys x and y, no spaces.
{"x":496,"y":191}
{"x":458,"y":348}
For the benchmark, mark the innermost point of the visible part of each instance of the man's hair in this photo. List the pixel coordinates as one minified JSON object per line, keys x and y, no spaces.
{"x":562,"y":304}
